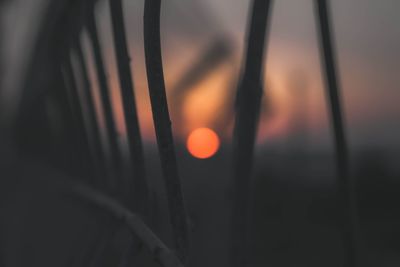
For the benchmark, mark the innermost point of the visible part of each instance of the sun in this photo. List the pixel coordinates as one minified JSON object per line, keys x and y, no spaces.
{"x":203,"y":143}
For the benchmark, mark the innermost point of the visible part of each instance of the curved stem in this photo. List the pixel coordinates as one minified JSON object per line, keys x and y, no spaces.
{"x":135,"y":224}
{"x":106,"y":102}
{"x":345,"y":184}
{"x":139,"y":194}
{"x":162,"y":123}
{"x":248,"y":104}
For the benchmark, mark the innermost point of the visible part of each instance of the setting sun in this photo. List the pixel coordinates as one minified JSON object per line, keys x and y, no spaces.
{"x":203,"y":143}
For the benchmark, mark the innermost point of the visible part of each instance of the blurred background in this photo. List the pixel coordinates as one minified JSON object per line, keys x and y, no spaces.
{"x":294,"y":219}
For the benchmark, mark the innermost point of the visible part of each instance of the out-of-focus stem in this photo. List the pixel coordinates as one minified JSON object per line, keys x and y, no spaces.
{"x":345,"y":184}
{"x":106,"y":103}
{"x":138,"y":195}
{"x":248,"y":104}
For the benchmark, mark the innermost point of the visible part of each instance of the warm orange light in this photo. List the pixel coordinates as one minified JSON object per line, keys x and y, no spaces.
{"x":203,"y":143}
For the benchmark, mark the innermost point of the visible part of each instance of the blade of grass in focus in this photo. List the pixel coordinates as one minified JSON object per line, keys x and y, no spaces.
{"x":162,"y":123}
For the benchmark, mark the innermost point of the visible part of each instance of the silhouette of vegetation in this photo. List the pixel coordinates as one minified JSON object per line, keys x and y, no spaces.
{"x":139,"y":192}
{"x":345,"y":183}
{"x":115,"y":152}
{"x":248,"y":102}
{"x":162,"y":123}
{"x":57,"y":190}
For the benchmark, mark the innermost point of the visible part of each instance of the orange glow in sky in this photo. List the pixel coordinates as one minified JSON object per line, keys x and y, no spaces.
{"x":203,"y":143}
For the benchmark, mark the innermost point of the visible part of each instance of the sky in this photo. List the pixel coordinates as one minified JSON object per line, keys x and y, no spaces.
{"x":367,"y":37}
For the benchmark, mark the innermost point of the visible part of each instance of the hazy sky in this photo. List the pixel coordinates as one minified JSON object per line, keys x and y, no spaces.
{"x":367,"y":38}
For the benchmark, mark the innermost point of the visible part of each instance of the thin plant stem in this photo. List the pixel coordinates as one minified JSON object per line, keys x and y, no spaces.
{"x":101,"y":204}
{"x":248,"y":104}
{"x":139,"y":194}
{"x":98,"y":151}
{"x":134,"y":223}
{"x":345,"y":184}
{"x":162,"y":123}
{"x":83,"y":147}
{"x":106,"y":103}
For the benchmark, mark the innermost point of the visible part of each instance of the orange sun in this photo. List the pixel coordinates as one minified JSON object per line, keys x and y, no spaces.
{"x":203,"y":143}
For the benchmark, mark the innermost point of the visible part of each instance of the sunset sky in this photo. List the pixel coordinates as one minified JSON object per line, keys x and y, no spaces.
{"x":367,"y":36}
